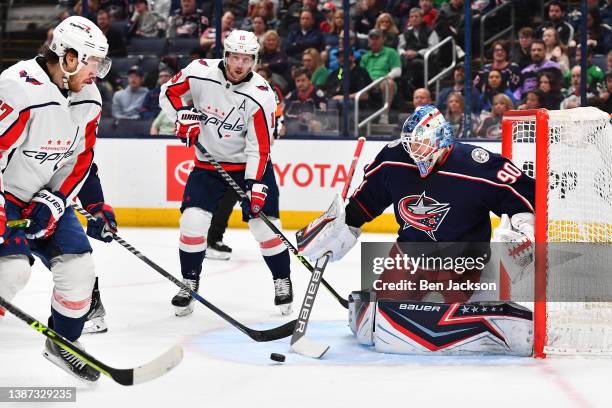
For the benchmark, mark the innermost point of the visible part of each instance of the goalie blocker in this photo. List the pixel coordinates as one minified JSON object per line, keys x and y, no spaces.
{"x":409,"y":327}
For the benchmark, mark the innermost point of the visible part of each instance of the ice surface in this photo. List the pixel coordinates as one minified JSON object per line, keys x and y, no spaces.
{"x":224,"y":368}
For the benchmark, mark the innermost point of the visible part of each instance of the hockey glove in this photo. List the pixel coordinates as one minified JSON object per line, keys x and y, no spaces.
{"x":187,"y":125}
{"x":257,"y":199}
{"x":44,"y":211}
{"x":328,"y":233}
{"x":2,"y":223}
{"x":104,"y":225}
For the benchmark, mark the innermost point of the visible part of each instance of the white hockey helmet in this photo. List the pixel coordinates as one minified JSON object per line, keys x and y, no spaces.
{"x":241,"y":42}
{"x":83,"y":36}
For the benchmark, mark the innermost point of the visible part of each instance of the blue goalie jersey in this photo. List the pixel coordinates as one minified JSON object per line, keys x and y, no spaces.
{"x":454,"y":202}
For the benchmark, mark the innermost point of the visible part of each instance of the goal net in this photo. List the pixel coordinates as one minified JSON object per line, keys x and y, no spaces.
{"x":569,"y":153}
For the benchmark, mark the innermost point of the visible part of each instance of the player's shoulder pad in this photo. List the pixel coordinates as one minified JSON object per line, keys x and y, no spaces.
{"x":261,"y":90}
{"x":478,"y":161}
{"x":392,"y":152}
{"x":14,"y":86}
{"x":201,"y":66}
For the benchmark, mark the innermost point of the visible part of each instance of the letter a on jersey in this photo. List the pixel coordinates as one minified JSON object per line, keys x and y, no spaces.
{"x":242,"y":105}
{"x":423,"y":213}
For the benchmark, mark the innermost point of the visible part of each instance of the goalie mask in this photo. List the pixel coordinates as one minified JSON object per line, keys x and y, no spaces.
{"x":426,"y":135}
{"x":241,"y":42}
{"x":84,"y":37}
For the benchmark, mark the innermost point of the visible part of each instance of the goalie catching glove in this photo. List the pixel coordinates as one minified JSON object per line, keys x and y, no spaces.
{"x":517,"y":236}
{"x":328,"y":233}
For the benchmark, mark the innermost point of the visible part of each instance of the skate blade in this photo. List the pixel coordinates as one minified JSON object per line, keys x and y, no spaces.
{"x":60,"y":363}
{"x":286,"y":309}
{"x":95,"y":326}
{"x":183,"y":311}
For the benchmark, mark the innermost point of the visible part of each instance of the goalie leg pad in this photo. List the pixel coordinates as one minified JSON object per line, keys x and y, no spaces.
{"x":194,"y":225}
{"x":74,"y":277}
{"x":269,"y":243}
{"x":14,"y":274}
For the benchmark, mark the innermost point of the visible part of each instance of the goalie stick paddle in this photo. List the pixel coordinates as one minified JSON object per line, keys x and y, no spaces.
{"x":241,"y":194}
{"x":275,"y":333}
{"x":123,"y":376}
{"x":299,"y":342}
{"x":358,"y":149}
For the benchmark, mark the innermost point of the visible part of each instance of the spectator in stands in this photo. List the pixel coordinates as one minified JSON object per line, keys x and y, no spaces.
{"x":366,"y":12}
{"x":162,"y":125}
{"x":306,"y":36}
{"x":556,"y":15}
{"x":145,"y":23}
{"x":127,"y":102}
{"x":458,"y":86}
{"x":455,"y":116}
{"x":273,"y":58}
{"x":494,"y":86}
{"x":116,"y":42}
{"x":609,"y":61}
{"x":532,"y":100}
{"x":599,"y":36}
{"x":555,"y":50}
{"x":304,"y":106}
{"x":511,"y":73}
{"x":530,"y":73}
{"x":332,"y":55}
{"x":92,"y":9}
{"x":550,"y":87}
{"x":490,"y":127}
{"x":358,"y":79}
{"x":150,"y":105}
{"x":595,"y":75}
{"x":606,"y":13}
{"x":291,"y":19}
{"x":279,"y":115}
{"x":187,"y":21}
{"x":240,"y":8}
{"x":257,"y":9}
{"x":421,"y":97}
{"x":572,"y":94}
{"x":317,"y":14}
{"x":311,"y":60}
{"x":116,"y":9}
{"x":430,"y":13}
{"x":332,"y":37}
{"x":209,"y":36}
{"x":413,"y":44}
{"x":162,"y":8}
{"x":328,"y":10}
{"x":386,"y":25}
{"x":259,"y":28}
{"x":522,"y":53}
{"x":381,"y":61}
{"x":604,"y":102}
{"x":451,"y":20}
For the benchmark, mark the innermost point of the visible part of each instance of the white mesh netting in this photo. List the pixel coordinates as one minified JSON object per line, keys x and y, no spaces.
{"x":579,"y":276}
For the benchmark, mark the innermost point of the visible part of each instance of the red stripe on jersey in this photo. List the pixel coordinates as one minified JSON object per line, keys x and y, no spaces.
{"x":19,"y":203}
{"x":363,"y":207}
{"x":69,"y":304}
{"x":274,"y":242}
{"x":84,"y":160}
{"x":263,"y":140}
{"x":192,"y":240}
{"x":174,"y":93}
{"x":10,"y":136}
{"x":226,"y":166}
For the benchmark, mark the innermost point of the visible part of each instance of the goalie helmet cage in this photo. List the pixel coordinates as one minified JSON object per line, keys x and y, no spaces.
{"x":573,"y":204}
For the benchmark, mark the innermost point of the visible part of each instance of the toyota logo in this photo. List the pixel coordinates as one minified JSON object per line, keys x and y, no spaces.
{"x":182,"y":170}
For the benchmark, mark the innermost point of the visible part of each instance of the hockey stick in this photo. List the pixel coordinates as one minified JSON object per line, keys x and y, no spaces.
{"x":21,"y":223}
{"x":358,"y":148}
{"x":124,"y":376}
{"x":241,"y":194}
{"x":299,"y":342}
{"x":258,"y":335}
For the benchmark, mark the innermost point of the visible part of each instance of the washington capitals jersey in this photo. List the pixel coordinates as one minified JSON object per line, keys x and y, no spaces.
{"x":46,"y":138}
{"x":238,"y":120}
{"x":453,"y":203}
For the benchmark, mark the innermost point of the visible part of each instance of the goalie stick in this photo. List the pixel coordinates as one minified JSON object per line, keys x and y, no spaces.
{"x":241,"y":194}
{"x":358,"y":148}
{"x":258,"y":335}
{"x":123,"y":376}
{"x":299,"y":342}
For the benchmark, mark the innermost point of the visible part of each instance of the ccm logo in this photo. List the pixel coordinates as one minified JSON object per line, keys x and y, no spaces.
{"x":424,"y":308}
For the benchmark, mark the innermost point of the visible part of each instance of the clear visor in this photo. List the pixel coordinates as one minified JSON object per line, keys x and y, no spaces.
{"x":100,"y":66}
{"x":237,"y":60}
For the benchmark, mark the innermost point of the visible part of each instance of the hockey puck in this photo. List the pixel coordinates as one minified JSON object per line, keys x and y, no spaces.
{"x":277,"y":357}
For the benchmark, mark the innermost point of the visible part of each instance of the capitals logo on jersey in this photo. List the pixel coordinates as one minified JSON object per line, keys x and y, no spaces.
{"x":29,"y":79}
{"x":422,"y":213}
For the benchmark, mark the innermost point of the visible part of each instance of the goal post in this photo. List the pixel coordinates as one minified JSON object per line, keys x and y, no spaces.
{"x":569,"y":152}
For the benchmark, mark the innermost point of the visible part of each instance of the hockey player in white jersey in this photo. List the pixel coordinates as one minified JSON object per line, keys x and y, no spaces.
{"x":230,"y":110}
{"x":49,"y":113}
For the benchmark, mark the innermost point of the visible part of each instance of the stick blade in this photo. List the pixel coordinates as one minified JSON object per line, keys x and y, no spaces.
{"x":309,"y":348}
{"x":160,"y":366}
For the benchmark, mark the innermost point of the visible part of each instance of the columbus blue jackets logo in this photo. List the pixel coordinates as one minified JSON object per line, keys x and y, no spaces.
{"x":29,"y":79}
{"x":422,"y":213}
